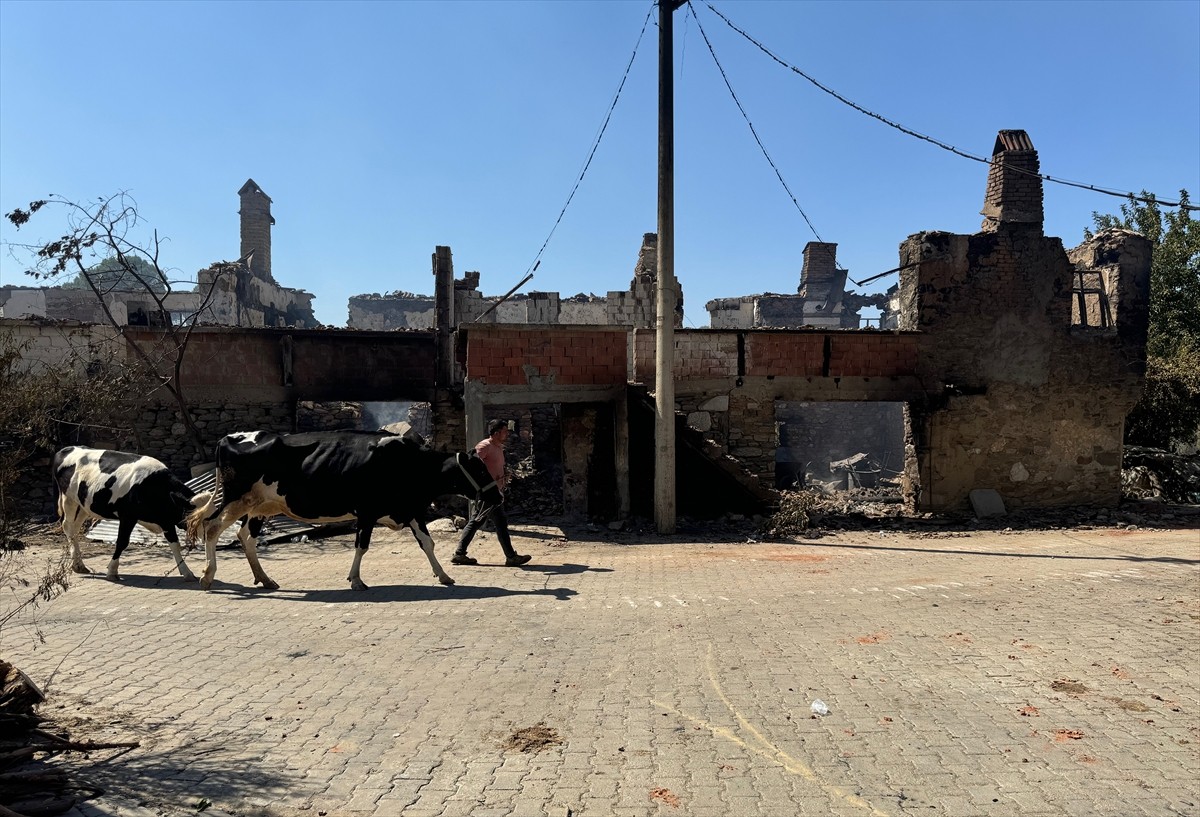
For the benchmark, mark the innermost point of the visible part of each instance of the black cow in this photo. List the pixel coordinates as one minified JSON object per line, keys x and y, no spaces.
{"x":94,"y":483}
{"x":328,"y":476}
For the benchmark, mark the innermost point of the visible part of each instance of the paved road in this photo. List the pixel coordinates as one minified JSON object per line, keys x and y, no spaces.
{"x":1040,"y":673}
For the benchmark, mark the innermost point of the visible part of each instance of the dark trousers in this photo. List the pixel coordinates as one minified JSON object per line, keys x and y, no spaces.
{"x":499,"y":519}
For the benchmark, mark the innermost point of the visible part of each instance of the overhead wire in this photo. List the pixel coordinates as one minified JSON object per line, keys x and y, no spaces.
{"x":753,"y":131}
{"x":595,"y":145}
{"x":1147,"y":199}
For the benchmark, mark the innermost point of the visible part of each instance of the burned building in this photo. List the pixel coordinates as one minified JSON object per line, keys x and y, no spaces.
{"x":821,"y":299}
{"x":632,"y":307}
{"x":1012,"y":367}
{"x":244,"y":294}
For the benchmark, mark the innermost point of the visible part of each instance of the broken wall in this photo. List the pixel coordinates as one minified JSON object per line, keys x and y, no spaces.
{"x":1023,"y":402}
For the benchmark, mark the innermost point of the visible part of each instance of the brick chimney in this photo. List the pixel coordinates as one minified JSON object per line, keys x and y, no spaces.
{"x":820,"y":273}
{"x":1014,"y":186}
{"x":256,"y":228}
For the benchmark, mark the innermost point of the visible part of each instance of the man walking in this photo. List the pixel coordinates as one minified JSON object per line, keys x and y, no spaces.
{"x":491,"y":451}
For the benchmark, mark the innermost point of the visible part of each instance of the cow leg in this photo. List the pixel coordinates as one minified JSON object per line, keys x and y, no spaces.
{"x":426,"y":542}
{"x":211,"y":531}
{"x":124,"y":531}
{"x":173,"y":540}
{"x":73,"y":518}
{"x":248,"y":533}
{"x":362,"y":541}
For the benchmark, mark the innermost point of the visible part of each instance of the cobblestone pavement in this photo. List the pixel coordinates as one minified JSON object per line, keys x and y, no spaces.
{"x":1034,"y":673}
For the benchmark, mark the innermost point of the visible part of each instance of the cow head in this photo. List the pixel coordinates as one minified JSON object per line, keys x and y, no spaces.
{"x":482,"y":487}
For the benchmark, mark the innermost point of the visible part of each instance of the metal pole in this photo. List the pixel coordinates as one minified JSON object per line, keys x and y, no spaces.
{"x":664,"y":360}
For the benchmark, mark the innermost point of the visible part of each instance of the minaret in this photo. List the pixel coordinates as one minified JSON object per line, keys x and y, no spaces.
{"x":256,"y":228}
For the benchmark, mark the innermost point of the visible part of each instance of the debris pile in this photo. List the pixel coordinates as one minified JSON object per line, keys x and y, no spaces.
{"x":28,"y":785}
{"x":1154,"y":474}
{"x":532,"y":492}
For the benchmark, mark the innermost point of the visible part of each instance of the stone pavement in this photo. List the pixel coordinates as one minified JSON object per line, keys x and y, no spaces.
{"x":1035,"y":673}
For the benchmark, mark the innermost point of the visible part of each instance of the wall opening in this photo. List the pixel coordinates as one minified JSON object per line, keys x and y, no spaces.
{"x":371,"y":415}
{"x":561,"y":458}
{"x":840,"y":446}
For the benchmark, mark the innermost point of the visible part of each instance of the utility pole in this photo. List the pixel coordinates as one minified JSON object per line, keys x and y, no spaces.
{"x":664,"y":359}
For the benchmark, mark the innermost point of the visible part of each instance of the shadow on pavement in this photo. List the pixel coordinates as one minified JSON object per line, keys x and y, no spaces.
{"x":1025,"y":555}
{"x":389,"y":593}
{"x":564,"y":569}
{"x":170,"y":780}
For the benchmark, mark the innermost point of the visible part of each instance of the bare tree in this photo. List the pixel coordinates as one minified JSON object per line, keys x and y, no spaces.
{"x":100,"y":251}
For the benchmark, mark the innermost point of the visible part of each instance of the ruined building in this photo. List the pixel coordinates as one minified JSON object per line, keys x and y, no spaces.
{"x":633,"y":307}
{"x":243,"y":295}
{"x":1012,"y":368}
{"x":821,"y":299}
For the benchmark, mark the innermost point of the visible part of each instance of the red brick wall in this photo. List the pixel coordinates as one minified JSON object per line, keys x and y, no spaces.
{"x":798,"y":353}
{"x":851,"y":354}
{"x":498,"y":355}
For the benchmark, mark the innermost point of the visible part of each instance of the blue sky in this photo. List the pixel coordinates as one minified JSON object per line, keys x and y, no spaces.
{"x":383,"y":129}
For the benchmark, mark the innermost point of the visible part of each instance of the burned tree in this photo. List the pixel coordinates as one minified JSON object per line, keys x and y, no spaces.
{"x":102,"y":251}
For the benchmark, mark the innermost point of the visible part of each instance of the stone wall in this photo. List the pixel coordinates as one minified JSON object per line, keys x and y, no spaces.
{"x":389,"y":312}
{"x":1029,"y":405}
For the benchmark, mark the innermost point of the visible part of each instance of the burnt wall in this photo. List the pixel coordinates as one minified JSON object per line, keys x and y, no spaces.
{"x":287,"y":364}
{"x":1021,"y":400}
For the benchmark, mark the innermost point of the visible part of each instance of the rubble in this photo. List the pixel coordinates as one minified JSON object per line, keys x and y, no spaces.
{"x":1151,"y":473}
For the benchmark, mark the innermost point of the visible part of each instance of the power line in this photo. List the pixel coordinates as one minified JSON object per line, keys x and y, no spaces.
{"x":1147,"y":199}
{"x":753,"y":132}
{"x":538,"y":258}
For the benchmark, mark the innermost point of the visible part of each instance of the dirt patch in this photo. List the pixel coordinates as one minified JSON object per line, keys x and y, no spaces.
{"x":666,"y":796}
{"x":1064,"y":685}
{"x":1064,"y":735}
{"x":874,"y":638}
{"x":1131,"y":706}
{"x":793,"y":557}
{"x":773,"y":554}
{"x":532,"y":739}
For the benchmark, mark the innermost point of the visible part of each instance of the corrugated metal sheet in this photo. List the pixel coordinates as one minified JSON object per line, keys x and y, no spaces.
{"x":274,"y":529}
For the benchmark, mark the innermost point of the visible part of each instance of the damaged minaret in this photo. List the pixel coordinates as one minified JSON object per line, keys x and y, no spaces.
{"x":256,"y":229}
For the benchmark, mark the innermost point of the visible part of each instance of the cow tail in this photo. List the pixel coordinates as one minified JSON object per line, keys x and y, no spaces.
{"x":204,"y":505}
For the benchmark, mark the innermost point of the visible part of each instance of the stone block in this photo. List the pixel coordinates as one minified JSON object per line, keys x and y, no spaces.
{"x":987,"y":502}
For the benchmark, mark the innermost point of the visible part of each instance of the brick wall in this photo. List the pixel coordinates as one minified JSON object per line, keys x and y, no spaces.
{"x":701,"y":354}
{"x":546,"y":355}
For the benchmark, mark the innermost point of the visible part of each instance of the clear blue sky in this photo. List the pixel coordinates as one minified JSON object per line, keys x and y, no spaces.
{"x":383,"y":129}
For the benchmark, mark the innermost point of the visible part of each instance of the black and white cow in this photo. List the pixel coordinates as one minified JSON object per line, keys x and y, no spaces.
{"x":328,"y":476}
{"x":95,"y":483}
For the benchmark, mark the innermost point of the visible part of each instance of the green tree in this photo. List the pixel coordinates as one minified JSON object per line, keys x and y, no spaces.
{"x":1168,"y":414}
{"x":133,"y":273}
{"x":1174,"y":273}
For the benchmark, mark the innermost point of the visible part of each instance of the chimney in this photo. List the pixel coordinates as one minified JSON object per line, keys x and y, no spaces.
{"x":256,"y":228}
{"x":1014,"y":186}
{"x":820,"y":273}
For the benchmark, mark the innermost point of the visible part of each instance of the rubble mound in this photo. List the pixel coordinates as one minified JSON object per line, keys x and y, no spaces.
{"x":1154,"y":474}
